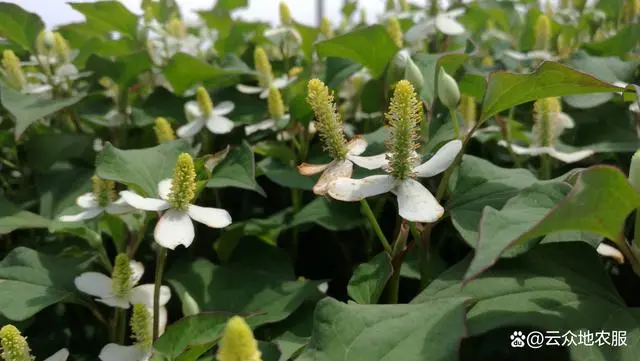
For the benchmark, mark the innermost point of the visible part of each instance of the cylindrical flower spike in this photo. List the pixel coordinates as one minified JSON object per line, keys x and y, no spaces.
{"x":121,"y":276}
{"x":103,"y":191}
{"x":328,"y":121}
{"x":275,"y":104}
{"x":263,"y":67}
{"x":183,"y":186}
{"x":14,"y":345}
{"x":204,"y":101}
{"x":13,"y":70}
{"x":238,"y":342}
{"x":448,"y":90}
{"x":468,"y":110}
{"x":404,"y":116}
{"x":543,"y":33}
{"x":395,"y":31}
{"x":45,"y":42}
{"x":141,"y":326}
{"x":285,"y":14}
{"x":546,"y":128}
{"x":176,"y":28}
{"x":61,"y":48}
{"x":163,"y":130}
{"x":325,"y":28}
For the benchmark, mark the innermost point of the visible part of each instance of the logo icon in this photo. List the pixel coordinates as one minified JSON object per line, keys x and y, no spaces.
{"x":517,"y":339}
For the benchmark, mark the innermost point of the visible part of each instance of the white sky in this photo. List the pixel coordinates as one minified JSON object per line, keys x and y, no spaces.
{"x":57,"y":12}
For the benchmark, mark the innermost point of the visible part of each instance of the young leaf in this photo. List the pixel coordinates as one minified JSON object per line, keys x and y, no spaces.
{"x":237,"y":169}
{"x":368,"y":280}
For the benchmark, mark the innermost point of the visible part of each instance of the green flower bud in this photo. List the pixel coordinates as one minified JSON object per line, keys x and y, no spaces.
{"x":263,"y":67}
{"x":45,"y":42}
{"x":141,"y":326}
{"x":395,"y":31}
{"x":275,"y":104}
{"x":204,"y":101}
{"x":634,"y":173}
{"x":183,"y":186}
{"x":13,"y":69}
{"x":103,"y":190}
{"x":543,"y":33}
{"x":413,"y":74}
{"x":448,"y":91}
{"x":14,"y":345}
{"x":163,"y":130}
{"x":121,"y":276}
{"x":404,"y":116}
{"x":238,"y":342}
{"x":189,"y":305}
{"x":285,"y":14}
{"x":328,"y":121}
{"x":325,"y":28}
{"x":403,"y":67}
{"x":468,"y":110}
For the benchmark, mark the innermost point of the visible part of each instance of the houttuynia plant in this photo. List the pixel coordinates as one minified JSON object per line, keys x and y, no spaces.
{"x":454,"y":182}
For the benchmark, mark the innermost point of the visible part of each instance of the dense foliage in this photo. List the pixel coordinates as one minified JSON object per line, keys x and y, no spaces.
{"x":437,"y":186}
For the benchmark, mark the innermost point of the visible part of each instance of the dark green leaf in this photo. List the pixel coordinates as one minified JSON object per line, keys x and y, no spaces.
{"x":184,"y":71}
{"x":369,"y":279}
{"x":332,"y":215}
{"x":109,"y":16}
{"x":12,"y":218}
{"x":237,"y":169}
{"x":19,"y":26}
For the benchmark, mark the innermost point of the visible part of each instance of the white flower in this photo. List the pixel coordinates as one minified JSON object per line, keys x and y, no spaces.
{"x":115,"y":352}
{"x":445,"y":22}
{"x":217,"y":123}
{"x":101,"y":286}
{"x":61,"y":355}
{"x":175,"y":227}
{"x":415,"y":202}
{"x":92,"y":209}
{"x":341,"y":168}
{"x":560,"y":122}
{"x":267,"y":124}
{"x":608,"y":251}
{"x":532,"y":55}
{"x":279,"y":83}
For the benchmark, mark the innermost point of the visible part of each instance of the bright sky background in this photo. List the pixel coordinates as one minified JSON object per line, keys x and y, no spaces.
{"x":57,"y":12}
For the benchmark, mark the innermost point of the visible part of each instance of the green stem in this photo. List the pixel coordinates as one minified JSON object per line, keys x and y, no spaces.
{"x":162,"y":255}
{"x":121,"y":325}
{"x":133,"y":248}
{"x":636,"y":232}
{"x":296,"y":202}
{"x":376,"y":227}
{"x":545,"y":166}
{"x":397,"y":257}
{"x":424,"y":255}
{"x":507,"y":138}
{"x":454,"y":119}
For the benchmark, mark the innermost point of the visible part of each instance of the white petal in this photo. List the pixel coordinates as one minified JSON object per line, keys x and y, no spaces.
{"x":94,"y":284}
{"x":212,"y":217}
{"x":87,"y":200}
{"x":192,"y":109}
{"x":571,"y":157}
{"x":263,"y":125}
{"x":606,"y":250}
{"x":420,"y":31}
{"x":282,"y":81}
{"x":515,"y":55}
{"x":264,"y":94}
{"x":416,"y":203}
{"x":86,"y":214}
{"x":113,"y":301}
{"x":190,"y":129}
{"x":174,"y":228}
{"x":539,"y":54}
{"x":164,"y":188}
{"x":357,"y":145}
{"x":337,"y":169}
{"x":145,"y":204}
{"x":440,"y":161}
{"x":137,"y":270}
{"x":448,"y":25}
{"x":311,"y":169}
{"x":220,"y":125}
{"x":61,"y":355}
{"x":249,"y":89}
{"x":564,"y":120}
{"x":119,"y":206}
{"x":143,"y":295}
{"x":162,"y":319}
{"x":371,"y":162}
{"x":350,"y":190}
{"x":524,"y":150}
{"x":115,"y":352}
{"x":455,"y":12}
{"x":223,"y":108}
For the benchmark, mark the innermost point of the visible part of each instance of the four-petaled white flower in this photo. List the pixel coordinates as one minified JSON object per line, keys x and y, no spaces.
{"x":279,"y":83}
{"x":217,"y":123}
{"x":415,"y":202}
{"x":175,"y":227}
{"x":341,"y":168}
{"x":93,"y":209}
{"x":101,"y":286}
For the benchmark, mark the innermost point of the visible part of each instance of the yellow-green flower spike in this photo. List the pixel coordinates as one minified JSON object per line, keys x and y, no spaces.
{"x":263,"y":67}
{"x":543,"y":33}
{"x":204,"y":101}
{"x":238,"y":342}
{"x":295,"y":71}
{"x":328,"y":121}
{"x":103,"y":190}
{"x":45,"y":42}
{"x":468,"y":110}
{"x":183,"y":186}
{"x":395,"y":31}
{"x":176,"y":28}
{"x":404,"y":5}
{"x":546,"y":129}
{"x":325,"y":28}
{"x":121,"y":276}
{"x":285,"y":14}
{"x":141,"y":326}
{"x":61,"y":48}
{"x":14,"y":345}
{"x":404,"y":116}
{"x":275,"y":104}
{"x":13,"y":70}
{"x":163,"y":130}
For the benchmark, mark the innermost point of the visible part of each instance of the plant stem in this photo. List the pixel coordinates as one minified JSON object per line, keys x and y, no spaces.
{"x":376,"y":227}
{"x":121,"y":325}
{"x":545,"y":166}
{"x":506,"y":133}
{"x":397,"y":257}
{"x":636,"y":231}
{"x":296,"y":203}
{"x":133,"y":248}
{"x":424,"y":255}
{"x":454,"y":120}
{"x":162,"y":255}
